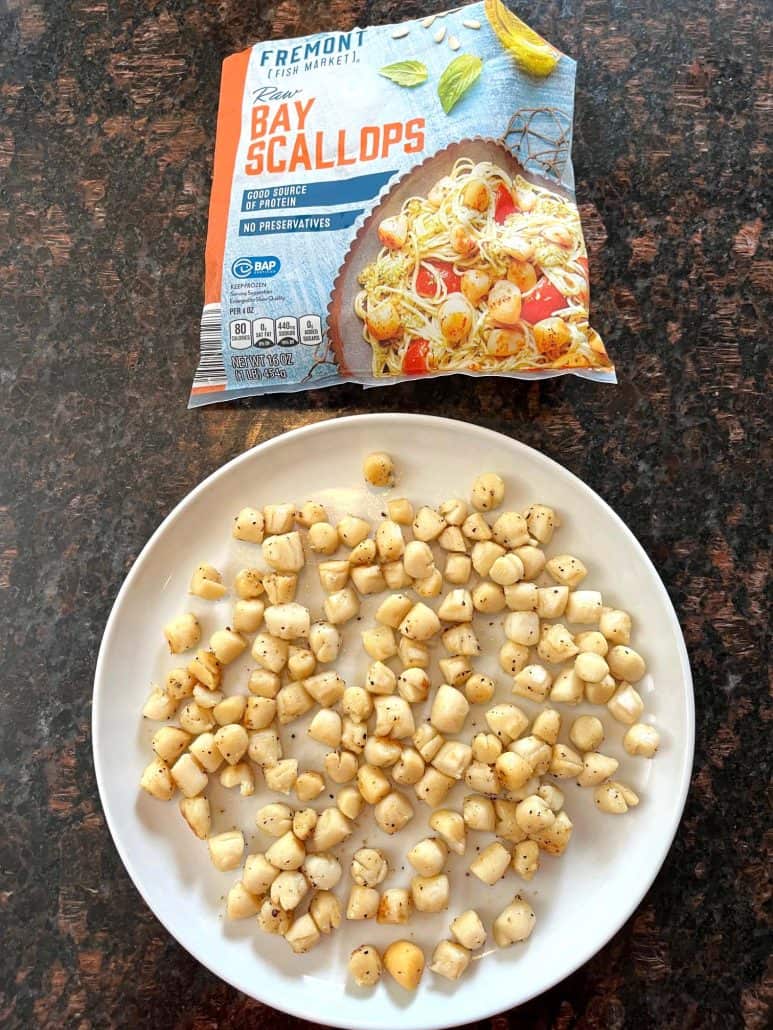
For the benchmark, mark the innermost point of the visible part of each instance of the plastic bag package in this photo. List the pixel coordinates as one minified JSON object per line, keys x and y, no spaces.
{"x":395,"y":202}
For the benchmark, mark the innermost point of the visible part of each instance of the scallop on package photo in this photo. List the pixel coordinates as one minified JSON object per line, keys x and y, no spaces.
{"x":395,"y":202}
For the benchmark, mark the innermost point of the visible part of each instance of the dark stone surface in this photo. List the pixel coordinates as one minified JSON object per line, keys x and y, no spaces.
{"x":106,"y":143}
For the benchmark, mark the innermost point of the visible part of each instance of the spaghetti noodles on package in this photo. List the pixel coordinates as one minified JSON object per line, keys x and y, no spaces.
{"x":392,"y":203}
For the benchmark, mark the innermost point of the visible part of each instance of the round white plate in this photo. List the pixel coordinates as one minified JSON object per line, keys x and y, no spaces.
{"x":580,"y":900}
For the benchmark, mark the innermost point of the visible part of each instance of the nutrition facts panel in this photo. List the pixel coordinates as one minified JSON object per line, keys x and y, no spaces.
{"x":286,"y":331}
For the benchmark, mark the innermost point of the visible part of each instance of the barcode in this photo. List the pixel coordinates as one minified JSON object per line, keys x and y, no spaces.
{"x":211,"y":371}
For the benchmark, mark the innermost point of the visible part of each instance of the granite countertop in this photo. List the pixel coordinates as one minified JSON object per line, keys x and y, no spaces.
{"x":106,"y":136}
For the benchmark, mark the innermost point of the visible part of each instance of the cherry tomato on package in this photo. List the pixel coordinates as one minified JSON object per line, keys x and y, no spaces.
{"x":415,"y":357}
{"x":426,"y":280}
{"x":543,"y":300}
{"x":504,"y":204}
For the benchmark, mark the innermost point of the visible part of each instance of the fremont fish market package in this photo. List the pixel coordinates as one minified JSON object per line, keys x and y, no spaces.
{"x":395,"y":202}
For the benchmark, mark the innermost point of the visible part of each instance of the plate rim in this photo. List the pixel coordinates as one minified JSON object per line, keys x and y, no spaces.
{"x":113,"y":822}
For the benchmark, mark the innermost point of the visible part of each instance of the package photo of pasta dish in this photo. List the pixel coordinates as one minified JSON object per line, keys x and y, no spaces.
{"x":396,"y":202}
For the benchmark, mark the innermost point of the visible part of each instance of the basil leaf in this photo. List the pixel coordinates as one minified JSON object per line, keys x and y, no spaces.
{"x":460,"y":74}
{"x":405,"y":73}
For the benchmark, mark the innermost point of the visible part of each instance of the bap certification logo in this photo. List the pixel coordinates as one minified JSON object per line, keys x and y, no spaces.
{"x":255,"y":267}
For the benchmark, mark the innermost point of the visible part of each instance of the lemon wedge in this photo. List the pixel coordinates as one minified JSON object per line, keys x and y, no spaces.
{"x":532,"y":53}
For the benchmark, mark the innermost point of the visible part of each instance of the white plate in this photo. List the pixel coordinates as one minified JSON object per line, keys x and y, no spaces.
{"x":580,"y":900}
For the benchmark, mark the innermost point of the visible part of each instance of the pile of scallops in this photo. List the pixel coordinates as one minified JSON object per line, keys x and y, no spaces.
{"x":396,"y":741}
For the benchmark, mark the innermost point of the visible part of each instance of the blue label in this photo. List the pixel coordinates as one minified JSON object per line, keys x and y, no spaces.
{"x":255,"y":267}
{"x":298,"y":223}
{"x":316,"y":194}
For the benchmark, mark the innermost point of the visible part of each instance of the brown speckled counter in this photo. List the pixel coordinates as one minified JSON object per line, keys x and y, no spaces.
{"x":106,"y":133}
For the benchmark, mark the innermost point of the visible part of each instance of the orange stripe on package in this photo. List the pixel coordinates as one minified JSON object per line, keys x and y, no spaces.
{"x":395,"y":202}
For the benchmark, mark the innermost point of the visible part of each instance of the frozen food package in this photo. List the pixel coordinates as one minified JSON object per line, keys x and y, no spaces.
{"x":395,"y":202}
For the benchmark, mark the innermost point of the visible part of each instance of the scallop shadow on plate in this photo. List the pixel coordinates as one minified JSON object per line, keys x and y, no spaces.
{"x":156,"y":820}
